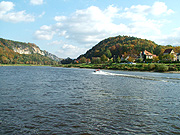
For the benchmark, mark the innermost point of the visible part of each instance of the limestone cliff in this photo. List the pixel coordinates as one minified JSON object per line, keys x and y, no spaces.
{"x":27,"y":48}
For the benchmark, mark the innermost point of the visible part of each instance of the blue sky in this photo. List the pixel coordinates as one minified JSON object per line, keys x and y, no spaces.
{"x":68,"y":28}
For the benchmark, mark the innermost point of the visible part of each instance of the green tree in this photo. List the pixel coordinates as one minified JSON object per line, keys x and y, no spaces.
{"x":104,"y":58}
{"x":118,"y":59}
{"x":96,"y":60}
{"x":108,"y":53}
{"x":83,"y":60}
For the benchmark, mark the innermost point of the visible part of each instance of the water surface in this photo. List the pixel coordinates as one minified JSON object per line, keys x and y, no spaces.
{"x":47,"y":100}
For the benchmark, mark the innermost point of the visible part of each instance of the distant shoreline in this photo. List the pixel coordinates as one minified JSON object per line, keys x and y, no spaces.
{"x":172,"y":72}
{"x":141,"y":67}
{"x":86,"y":66}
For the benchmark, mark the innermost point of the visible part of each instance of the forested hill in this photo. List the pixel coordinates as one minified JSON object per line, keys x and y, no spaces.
{"x":125,"y":45}
{"x":13,"y":52}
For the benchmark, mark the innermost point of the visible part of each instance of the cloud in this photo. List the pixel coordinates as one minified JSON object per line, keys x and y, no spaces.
{"x":42,"y":14}
{"x":6,"y":6}
{"x":140,"y":12}
{"x":169,"y":39}
{"x":36,"y":2}
{"x":45,"y":33}
{"x":7,"y":15}
{"x":56,"y":42}
{"x":71,"y":51}
{"x":160,"y":8}
{"x":87,"y":27}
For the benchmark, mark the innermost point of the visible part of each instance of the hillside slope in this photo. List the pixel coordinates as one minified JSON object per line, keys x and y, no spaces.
{"x":28,"y":53}
{"x":125,"y":45}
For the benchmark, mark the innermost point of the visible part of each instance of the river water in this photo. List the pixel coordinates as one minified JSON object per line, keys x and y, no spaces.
{"x":48,"y":100}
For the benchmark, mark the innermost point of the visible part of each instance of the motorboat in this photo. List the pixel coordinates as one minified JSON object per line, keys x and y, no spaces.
{"x":97,"y":70}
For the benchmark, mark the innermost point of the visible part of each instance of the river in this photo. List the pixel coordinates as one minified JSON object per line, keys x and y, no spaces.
{"x":49,"y":100}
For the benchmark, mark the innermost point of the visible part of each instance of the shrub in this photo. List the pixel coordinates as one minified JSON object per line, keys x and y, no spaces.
{"x":162,"y":68}
{"x":172,"y":68}
{"x":151,"y":66}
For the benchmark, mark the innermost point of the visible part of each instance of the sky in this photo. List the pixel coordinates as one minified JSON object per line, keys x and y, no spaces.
{"x":68,"y":28}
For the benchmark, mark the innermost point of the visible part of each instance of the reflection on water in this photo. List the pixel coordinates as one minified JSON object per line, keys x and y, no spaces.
{"x":45,"y":100}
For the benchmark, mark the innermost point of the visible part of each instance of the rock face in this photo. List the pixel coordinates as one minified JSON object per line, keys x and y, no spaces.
{"x":52,"y":56}
{"x":27,"y":48}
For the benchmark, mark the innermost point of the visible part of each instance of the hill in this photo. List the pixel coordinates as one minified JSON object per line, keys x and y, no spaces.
{"x":14,"y":52}
{"x":125,"y":45}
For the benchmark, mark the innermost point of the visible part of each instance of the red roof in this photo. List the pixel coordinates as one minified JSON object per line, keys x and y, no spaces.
{"x":147,"y":53}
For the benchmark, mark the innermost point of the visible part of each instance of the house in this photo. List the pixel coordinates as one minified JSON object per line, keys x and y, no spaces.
{"x":146,"y":55}
{"x":171,"y":52}
{"x":178,"y":57}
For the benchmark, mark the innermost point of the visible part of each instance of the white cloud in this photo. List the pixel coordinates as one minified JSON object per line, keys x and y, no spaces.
{"x":89,"y":26}
{"x":140,"y":12}
{"x":36,"y":2}
{"x":160,"y":8}
{"x":70,"y":51}
{"x":42,"y":14}
{"x":45,"y":33}
{"x":59,"y":18}
{"x":7,"y":15}
{"x":169,"y":39}
{"x":6,"y":6}
{"x":56,"y":42}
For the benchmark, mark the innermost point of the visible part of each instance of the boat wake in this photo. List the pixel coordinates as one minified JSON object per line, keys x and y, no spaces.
{"x":163,"y":79}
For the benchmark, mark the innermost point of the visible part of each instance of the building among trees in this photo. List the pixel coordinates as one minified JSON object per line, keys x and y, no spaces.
{"x":178,"y":57}
{"x":146,"y":55}
{"x":169,"y":53}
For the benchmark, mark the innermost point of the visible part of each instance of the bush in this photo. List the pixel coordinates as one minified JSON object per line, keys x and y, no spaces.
{"x":162,"y":68}
{"x":151,"y":66}
{"x":172,"y":68}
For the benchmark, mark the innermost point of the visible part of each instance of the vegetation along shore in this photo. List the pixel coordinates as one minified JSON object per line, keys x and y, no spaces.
{"x":152,"y":67}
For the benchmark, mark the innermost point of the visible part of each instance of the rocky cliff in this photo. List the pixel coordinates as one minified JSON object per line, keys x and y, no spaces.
{"x":27,"y":48}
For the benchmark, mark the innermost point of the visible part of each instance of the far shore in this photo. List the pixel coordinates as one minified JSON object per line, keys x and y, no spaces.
{"x":98,"y":66}
{"x":173,"y":72}
{"x":140,"y":67}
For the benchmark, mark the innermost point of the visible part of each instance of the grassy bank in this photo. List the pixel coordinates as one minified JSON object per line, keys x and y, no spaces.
{"x":154,"y":67}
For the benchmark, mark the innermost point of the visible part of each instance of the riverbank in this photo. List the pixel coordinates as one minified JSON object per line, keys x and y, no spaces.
{"x":152,"y":67}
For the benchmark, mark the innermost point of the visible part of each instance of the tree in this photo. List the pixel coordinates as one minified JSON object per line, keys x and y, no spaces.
{"x":156,"y":59}
{"x":130,"y":59}
{"x":104,"y":58}
{"x":88,"y":61}
{"x":118,"y":59}
{"x":96,"y":60}
{"x":4,"y":60}
{"x":168,"y":57}
{"x":67,"y":61}
{"x":108,"y":53}
{"x":139,"y":60}
{"x":83,"y":60}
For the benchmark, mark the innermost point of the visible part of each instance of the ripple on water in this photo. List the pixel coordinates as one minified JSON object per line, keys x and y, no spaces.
{"x":75,"y":101}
